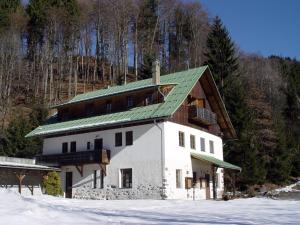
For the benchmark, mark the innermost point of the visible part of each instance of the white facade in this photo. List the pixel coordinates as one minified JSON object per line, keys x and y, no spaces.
{"x":155,"y":146}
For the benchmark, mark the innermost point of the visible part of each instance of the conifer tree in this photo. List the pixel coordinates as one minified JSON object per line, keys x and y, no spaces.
{"x":52,"y":184}
{"x":222,"y":60}
{"x":221,"y":56}
{"x":14,"y":142}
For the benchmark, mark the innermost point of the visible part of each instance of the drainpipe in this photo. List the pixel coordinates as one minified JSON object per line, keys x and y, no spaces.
{"x":162,"y":160}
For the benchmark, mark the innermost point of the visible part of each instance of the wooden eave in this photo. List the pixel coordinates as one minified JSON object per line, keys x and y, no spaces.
{"x":217,"y":105}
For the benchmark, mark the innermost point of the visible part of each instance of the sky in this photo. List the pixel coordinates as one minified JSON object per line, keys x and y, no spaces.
{"x":262,"y":27}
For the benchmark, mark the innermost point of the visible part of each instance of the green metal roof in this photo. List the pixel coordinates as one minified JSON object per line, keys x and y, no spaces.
{"x":109,"y":91}
{"x":184,"y":81}
{"x":215,"y":161}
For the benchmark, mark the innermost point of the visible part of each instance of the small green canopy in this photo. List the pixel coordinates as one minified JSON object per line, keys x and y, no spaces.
{"x":215,"y":161}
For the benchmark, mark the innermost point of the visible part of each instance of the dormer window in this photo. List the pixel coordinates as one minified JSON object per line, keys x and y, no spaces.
{"x":129,"y":101}
{"x":108,"y":107}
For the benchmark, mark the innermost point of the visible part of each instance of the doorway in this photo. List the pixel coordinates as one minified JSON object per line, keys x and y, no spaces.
{"x":207,"y":188}
{"x":98,"y":144}
{"x":69,"y":184}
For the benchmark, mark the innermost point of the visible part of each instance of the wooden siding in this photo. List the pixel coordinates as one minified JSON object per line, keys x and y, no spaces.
{"x":98,"y":106}
{"x":181,"y":116}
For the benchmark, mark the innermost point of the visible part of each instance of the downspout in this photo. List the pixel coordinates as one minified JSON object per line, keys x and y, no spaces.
{"x":162,"y":148}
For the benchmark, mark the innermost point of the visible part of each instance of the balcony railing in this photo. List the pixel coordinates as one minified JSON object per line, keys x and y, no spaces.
{"x":203,"y":115}
{"x":75,"y":158}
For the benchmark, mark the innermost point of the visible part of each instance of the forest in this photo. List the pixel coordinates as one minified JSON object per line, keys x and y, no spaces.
{"x":52,"y":50}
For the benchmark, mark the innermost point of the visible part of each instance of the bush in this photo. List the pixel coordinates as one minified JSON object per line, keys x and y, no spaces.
{"x":52,"y":184}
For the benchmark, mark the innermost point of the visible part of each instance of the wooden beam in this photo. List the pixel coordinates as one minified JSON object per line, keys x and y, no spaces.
{"x":103,"y":168}
{"x":80,"y":169}
{"x":213,"y":168}
{"x":30,"y":187}
{"x":20,"y":178}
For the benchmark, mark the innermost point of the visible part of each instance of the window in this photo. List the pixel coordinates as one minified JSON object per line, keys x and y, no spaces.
{"x":129,"y":138}
{"x":181,"y":138}
{"x":98,"y":144}
{"x":202,"y":144}
{"x":178,"y":179}
{"x":73,"y":146}
{"x":95,"y":179}
{"x":65,"y":147}
{"x":118,"y":139}
{"x":149,"y":99}
{"x":192,"y":141}
{"x":88,"y":145}
{"x":211,"y":147}
{"x":108,"y":107}
{"x":129,"y":101}
{"x":126,"y":178}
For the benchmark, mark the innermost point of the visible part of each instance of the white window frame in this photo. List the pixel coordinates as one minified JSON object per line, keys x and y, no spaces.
{"x":183,"y":140}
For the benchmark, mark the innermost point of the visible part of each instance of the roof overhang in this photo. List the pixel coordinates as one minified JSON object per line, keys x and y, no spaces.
{"x":92,"y":127}
{"x":216,"y":162}
{"x":215,"y":100}
{"x":28,"y":167}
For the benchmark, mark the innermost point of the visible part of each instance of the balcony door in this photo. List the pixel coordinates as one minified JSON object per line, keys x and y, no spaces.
{"x":69,"y":184}
{"x":98,"y":144}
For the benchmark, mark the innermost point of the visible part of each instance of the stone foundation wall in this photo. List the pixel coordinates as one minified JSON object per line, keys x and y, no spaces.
{"x":145,"y":191}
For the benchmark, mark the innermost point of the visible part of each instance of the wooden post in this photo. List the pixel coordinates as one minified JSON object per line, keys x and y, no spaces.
{"x":20,"y":179}
{"x":234,"y":182}
{"x":214,"y":182}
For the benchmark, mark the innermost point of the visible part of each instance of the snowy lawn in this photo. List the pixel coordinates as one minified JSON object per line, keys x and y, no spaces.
{"x":17,"y":210}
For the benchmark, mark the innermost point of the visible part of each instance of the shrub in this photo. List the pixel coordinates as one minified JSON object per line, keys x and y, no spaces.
{"x":52,"y":184}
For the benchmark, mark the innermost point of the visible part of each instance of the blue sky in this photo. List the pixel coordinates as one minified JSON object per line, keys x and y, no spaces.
{"x":261,"y":26}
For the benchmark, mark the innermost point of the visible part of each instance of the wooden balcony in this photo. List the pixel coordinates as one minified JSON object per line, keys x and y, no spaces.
{"x":202,"y":115}
{"x":77,"y":158}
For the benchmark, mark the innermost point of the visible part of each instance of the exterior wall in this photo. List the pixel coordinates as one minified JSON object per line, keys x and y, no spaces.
{"x":179,"y":158}
{"x":144,"y":157}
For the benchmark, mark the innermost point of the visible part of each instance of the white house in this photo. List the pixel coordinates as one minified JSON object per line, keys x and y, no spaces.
{"x":159,"y":138}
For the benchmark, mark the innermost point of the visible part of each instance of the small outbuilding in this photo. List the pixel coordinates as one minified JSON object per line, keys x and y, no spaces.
{"x":18,"y":173}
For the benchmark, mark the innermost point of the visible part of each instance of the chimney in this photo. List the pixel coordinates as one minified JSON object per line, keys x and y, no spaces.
{"x":156,"y":72}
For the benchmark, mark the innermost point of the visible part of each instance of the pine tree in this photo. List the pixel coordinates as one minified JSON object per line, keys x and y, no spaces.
{"x":14,"y":142}
{"x":221,"y":56}
{"x":148,"y":36}
{"x":222,"y":61}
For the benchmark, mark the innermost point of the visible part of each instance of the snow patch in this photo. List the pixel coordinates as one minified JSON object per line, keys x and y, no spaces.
{"x":16,"y":209}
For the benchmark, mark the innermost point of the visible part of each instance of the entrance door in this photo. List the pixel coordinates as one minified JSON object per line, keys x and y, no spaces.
{"x":69,"y":183}
{"x":207,"y":189}
{"x":98,"y":144}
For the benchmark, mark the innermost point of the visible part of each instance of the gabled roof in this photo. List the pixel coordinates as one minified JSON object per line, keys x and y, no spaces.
{"x":183,"y":83}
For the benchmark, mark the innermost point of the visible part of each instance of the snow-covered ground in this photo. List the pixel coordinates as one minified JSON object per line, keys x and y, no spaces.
{"x":15,"y":209}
